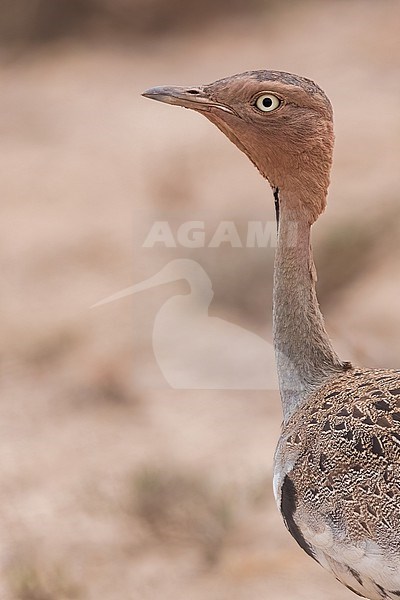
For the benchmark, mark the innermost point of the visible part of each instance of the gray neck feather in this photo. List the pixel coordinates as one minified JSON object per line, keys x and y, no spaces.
{"x":304,"y":354}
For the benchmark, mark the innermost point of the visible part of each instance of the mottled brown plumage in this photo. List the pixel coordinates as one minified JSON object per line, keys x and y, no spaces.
{"x":339,"y":456}
{"x":337,"y":464}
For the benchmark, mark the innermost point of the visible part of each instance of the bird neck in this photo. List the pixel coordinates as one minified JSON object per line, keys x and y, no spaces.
{"x":304,"y":354}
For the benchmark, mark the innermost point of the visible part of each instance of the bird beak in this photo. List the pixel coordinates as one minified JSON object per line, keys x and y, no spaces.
{"x":194,"y":98}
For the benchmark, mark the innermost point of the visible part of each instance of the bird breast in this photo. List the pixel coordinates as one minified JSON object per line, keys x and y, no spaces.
{"x":337,"y":479}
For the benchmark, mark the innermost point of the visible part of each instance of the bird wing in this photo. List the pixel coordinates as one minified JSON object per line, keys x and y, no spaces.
{"x":342,"y":494}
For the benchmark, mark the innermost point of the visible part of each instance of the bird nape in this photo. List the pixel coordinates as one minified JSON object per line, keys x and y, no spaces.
{"x":337,"y":463}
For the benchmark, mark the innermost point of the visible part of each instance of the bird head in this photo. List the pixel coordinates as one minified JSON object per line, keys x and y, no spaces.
{"x":282,"y":122}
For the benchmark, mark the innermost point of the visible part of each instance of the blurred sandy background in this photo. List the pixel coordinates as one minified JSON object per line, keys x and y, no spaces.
{"x":111,"y":488}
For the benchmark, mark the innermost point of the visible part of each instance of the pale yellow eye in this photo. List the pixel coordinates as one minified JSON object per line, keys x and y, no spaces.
{"x":268,"y":102}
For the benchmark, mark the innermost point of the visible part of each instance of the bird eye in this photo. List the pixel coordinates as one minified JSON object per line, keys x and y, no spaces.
{"x":268,"y":102}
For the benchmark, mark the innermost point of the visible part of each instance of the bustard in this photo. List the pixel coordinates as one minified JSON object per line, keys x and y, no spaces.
{"x":337,"y":463}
